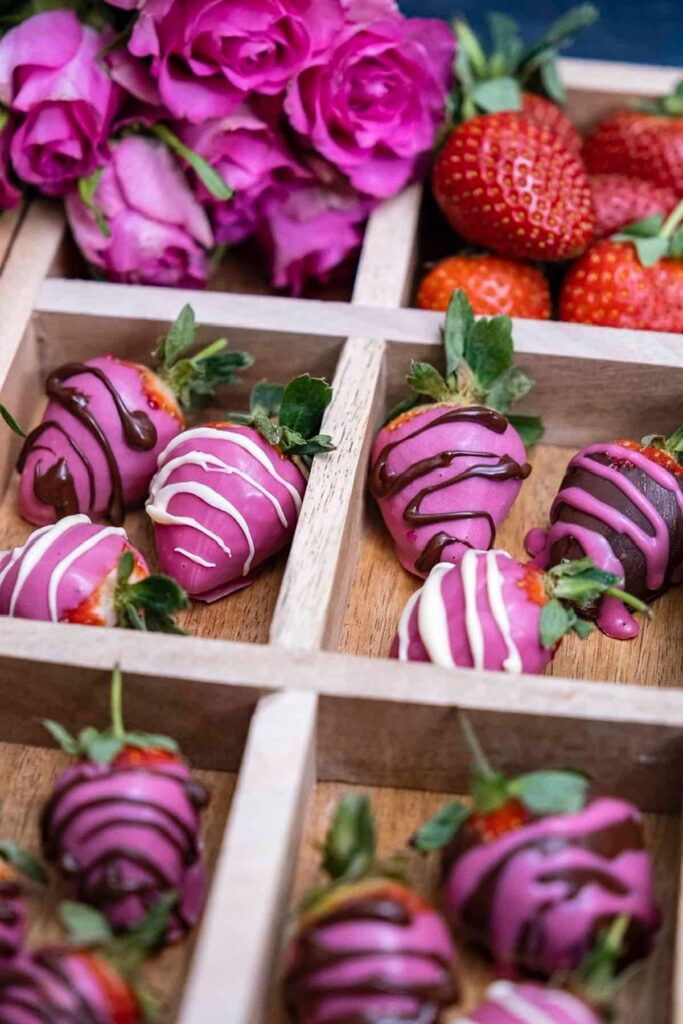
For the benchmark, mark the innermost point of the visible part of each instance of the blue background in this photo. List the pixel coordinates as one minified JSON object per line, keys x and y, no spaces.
{"x":646,"y":31}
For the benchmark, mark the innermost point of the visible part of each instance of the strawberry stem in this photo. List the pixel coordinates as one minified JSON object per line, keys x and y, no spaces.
{"x":481,"y":762}
{"x":631,"y":601}
{"x":672,"y":221}
{"x":116,"y":699}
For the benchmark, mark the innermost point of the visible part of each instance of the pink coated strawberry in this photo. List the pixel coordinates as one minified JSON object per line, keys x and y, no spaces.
{"x":18,"y":871}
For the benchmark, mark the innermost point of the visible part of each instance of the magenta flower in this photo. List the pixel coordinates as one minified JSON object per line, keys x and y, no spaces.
{"x":9,"y":193}
{"x":311,"y":231}
{"x":157,"y":231}
{"x":253,"y":158}
{"x":209,"y":54}
{"x":61,"y":98}
{"x":373,"y":106}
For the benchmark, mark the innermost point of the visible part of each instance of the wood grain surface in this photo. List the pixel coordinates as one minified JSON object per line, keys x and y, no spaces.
{"x":646,"y":996}
{"x":26,"y":778}
{"x":381,"y":589}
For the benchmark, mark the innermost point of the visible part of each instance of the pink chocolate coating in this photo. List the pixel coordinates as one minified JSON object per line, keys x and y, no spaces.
{"x":128,"y":835}
{"x":223,"y":501}
{"x":61,"y":566}
{"x":537,"y":897}
{"x":56,"y":985}
{"x":374,"y":955}
{"x":435,"y":625}
{"x":508,"y":1003}
{"x":470,"y":468}
{"x":141,"y":391}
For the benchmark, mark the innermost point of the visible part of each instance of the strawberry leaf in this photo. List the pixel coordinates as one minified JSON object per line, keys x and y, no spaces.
{"x":266,"y":398}
{"x":179,"y":339}
{"x":424,"y":379}
{"x":490,"y":790}
{"x":459,"y":323}
{"x":150,"y":604}
{"x":529,"y":428}
{"x":551,"y":792}
{"x":289,"y":417}
{"x":23,"y":861}
{"x":496,"y":94}
{"x":506,"y":40}
{"x":556,"y":621}
{"x":488,"y":349}
{"x":85,"y":926}
{"x":66,"y":741}
{"x":349,"y":848}
{"x":304,"y":402}
{"x":11,"y":422}
{"x":440,"y":830}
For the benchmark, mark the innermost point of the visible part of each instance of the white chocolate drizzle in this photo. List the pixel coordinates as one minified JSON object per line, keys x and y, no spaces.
{"x":505,"y":994}
{"x":32,"y":553}
{"x":433,"y":618}
{"x":403,"y":626}
{"x":494,"y":586}
{"x":62,"y":567}
{"x":473,"y":627}
{"x":158,"y":511}
{"x":195,"y":558}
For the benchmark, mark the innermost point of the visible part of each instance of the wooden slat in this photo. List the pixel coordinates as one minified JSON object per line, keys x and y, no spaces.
{"x":318,"y":575}
{"x":235,"y":952}
{"x":10,"y":221}
{"x":596,"y":88}
{"x":385,"y":272}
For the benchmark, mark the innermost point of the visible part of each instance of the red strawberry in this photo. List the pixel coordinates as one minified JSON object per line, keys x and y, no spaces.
{"x":509,"y":184}
{"x":122,"y":1003}
{"x":646,"y":143}
{"x":492,"y":284}
{"x":655,"y":454}
{"x":507,"y":818}
{"x":620,"y":200}
{"x":549,"y":114}
{"x":634,"y":280}
{"x":145,"y":757}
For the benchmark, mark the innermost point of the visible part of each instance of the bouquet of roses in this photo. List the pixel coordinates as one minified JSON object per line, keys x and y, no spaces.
{"x":173,"y":128}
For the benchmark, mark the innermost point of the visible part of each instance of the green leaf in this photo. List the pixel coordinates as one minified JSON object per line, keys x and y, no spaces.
{"x":674,"y":443}
{"x":11,"y":422}
{"x":266,"y":428}
{"x":583,"y":628}
{"x":209,"y":176}
{"x":551,"y":792}
{"x":459,"y":323}
{"x":87,"y":187}
{"x":424,"y":379}
{"x":23,"y":861}
{"x":151,"y":740}
{"x":651,"y":250}
{"x":180,"y":337}
{"x":506,"y":40}
{"x":556,"y":622}
{"x":647,"y":227}
{"x":304,"y":402}
{"x":349,"y":847}
{"x":150,"y":604}
{"x":490,"y":790}
{"x":125,"y":568}
{"x":489,"y":348}
{"x":103,"y":748}
{"x":497,"y":94}
{"x":266,"y":398}
{"x":442,"y":828}
{"x":64,"y":738}
{"x":552,"y":83}
{"x":510,"y":387}
{"x":149,"y":934}
{"x":294,"y":443}
{"x":563,"y":31}
{"x":676,"y":245}
{"x":85,"y":926}
{"x":529,"y":428}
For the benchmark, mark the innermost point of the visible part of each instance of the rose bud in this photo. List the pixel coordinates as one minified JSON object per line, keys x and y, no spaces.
{"x":60,"y":97}
{"x":107,"y":419}
{"x":96,"y":978}
{"x":227,"y":496}
{"x":123,"y":824}
{"x":621,"y":504}
{"x":17,"y":868}
{"x":367,"y":946}
{"x":136,"y":220}
{"x":447,"y":466}
{"x":92,"y":575}
{"x":534,"y":870}
{"x":493,"y":612}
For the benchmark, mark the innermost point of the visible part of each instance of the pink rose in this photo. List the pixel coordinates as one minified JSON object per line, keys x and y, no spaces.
{"x":61,"y":98}
{"x":374,"y":105}
{"x":159,"y":234}
{"x":9,"y":193}
{"x":209,"y":54}
{"x":253,"y":158}
{"x":310,"y":232}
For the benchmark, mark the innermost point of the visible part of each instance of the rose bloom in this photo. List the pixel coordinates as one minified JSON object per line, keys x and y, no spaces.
{"x":310,"y":231}
{"x":60,"y":97}
{"x":9,"y":193}
{"x":373,"y":105}
{"x":159,"y":232}
{"x":209,"y":54}
{"x":253,"y":158}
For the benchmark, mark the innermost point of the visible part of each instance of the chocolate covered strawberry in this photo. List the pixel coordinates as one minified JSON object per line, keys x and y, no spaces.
{"x":493,"y":612}
{"x":227,"y":496}
{"x":535,"y":870}
{"x":448,"y":465}
{"x":18,"y":871}
{"x":507,"y":1002}
{"x":621,"y":504}
{"x":123,"y":824}
{"x":94,"y":980}
{"x":367,"y":947}
{"x":77,"y":571}
{"x":107,"y":419}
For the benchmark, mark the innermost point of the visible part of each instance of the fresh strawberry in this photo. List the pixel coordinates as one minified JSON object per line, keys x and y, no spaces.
{"x":367,"y":946}
{"x":123,"y":823}
{"x":492,"y":284}
{"x":509,"y":184}
{"x":535,"y":870}
{"x":662,"y":456}
{"x":620,"y":200}
{"x":645,"y":143}
{"x":633,"y":280}
{"x":551,"y":116}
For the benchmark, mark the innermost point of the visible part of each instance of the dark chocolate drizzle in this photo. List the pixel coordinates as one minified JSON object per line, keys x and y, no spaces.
{"x":25,"y":990}
{"x":385,"y":485}
{"x":56,"y":487}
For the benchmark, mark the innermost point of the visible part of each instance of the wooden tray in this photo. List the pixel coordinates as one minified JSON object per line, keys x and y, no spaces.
{"x":284,"y":695}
